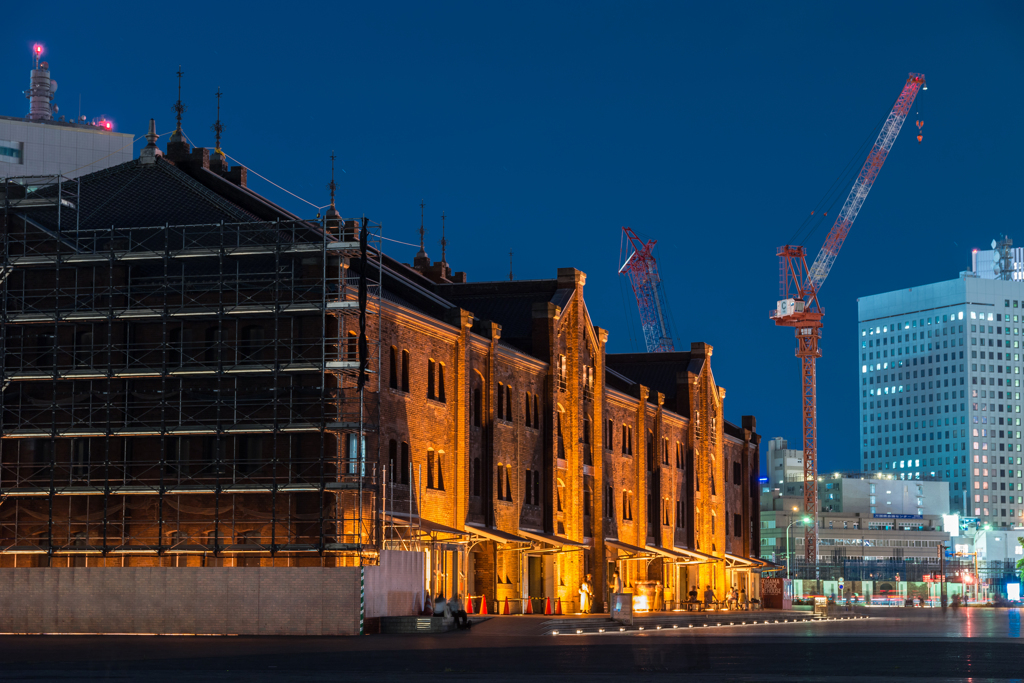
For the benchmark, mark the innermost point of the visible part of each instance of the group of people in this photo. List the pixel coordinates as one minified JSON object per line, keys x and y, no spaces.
{"x":734,"y":598}
{"x":448,"y":607}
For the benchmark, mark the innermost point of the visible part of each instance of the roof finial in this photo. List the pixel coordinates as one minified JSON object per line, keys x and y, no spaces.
{"x":444,"y":242}
{"x":333,"y":217}
{"x":332,"y":186}
{"x":510,"y":266}
{"x":217,"y":127}
{"x":423,"y":230}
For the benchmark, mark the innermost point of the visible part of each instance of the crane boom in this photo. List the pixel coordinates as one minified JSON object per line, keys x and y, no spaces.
{"x":801,"y":309}
{"x":642,"y":269}
{"x":865,"y":179}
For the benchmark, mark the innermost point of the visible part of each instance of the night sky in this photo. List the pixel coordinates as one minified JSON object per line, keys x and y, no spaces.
{"x":543,"y":128}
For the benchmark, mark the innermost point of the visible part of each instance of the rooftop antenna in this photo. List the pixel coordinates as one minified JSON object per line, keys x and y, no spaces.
{"x":218,"y":128}
{"x":510,"y":266}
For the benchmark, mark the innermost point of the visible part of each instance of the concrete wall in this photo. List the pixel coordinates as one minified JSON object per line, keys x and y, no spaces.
{"x":206,"y":600}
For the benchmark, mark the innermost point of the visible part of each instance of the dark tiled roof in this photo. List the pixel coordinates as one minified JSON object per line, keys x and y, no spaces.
{"x":657,"y":371}
{"x":510,"y":304}
{"x":136,"y":196}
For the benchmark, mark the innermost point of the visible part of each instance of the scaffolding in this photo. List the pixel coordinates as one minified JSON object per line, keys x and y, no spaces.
{"x":186,"y":395}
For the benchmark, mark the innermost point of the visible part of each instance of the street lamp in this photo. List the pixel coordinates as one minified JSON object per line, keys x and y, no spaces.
{"x":802,"y":520}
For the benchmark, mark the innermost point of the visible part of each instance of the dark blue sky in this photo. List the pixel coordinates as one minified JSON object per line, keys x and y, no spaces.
{"x":542,"y":128}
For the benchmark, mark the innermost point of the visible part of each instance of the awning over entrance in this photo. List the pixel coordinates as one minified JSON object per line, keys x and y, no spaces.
{"x":672,"y":555}
{"x":695,"y":556}
{"x":737,"y":561}
{"x":626,"y":547}
{"x":426,"y":526}
{"x":552,"y":540}
{"x":495,"y":535}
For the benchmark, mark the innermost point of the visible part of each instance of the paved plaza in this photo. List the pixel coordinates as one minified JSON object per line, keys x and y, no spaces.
{"x":893,"y":644}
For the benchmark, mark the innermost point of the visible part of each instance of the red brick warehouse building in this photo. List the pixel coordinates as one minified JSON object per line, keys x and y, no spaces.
{"x":181,"y":388}
{"x":557,"y":458}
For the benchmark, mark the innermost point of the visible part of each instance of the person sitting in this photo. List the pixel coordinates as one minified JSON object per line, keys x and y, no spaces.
{"x":693,"y":598}
{"x":441,"y":607}
{"x":457,"y":610}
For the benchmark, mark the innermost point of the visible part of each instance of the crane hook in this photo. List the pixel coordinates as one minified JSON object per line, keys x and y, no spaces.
{"x":919,"y":135}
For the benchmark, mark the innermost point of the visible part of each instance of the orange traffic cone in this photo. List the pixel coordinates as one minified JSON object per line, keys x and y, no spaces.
{"x":558,"y":605}
{"x":506,"y":612}
{"x":547,"y":607}
{"x":483,"y":605}
{"x":529,"y":606}
{"x":469,"y":604}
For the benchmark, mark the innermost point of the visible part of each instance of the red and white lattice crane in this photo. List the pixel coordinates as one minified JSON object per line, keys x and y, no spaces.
{"x":800,"y":308}
{"x":642,"y":269}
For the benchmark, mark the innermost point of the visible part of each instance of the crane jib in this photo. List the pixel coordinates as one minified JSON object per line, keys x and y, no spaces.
{"x":819,"y":270}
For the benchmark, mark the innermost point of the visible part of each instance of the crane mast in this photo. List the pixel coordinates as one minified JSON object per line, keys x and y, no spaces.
{"x":800,"y":308}
{"x":642,"y":269}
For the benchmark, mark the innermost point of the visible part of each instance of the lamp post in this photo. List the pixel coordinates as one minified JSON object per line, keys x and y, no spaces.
{"x":802,"y":520}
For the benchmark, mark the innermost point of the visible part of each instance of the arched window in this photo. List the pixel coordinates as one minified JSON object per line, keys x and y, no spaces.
{"x":508,"y":482}
{"x":251,"y":342}
{"x":213,"y":337}
{"x":430,"y":468}
{"x":440,"y":382}
{"x":476,"y":477}
{"x":405,"y":370}
{"x":405,"y":463}
{"x":560,"y":494}
{"x":439,"y":481}
{"x":501,"y":401}
{"x":352,"y":346}
{"x":526,"y":410}
{"x":431,"y":391}
{"x":84,"y":347}
{"x":478,"y":406}
{"x":177,"y":353}
{"x":500,"y":474}
{"x":393,"y":471}
{"x":393,"y":368}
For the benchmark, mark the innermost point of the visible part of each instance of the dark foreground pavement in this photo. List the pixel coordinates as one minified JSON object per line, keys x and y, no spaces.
{"x":894,"y":645}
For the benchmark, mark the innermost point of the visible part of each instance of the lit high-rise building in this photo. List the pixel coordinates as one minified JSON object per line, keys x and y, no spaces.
{"x":940,"y":390}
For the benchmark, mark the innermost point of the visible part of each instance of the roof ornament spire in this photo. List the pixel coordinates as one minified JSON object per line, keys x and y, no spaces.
{"x":217,"y":159}
{"x":217,"y":127}
{"x":444,"y":243}
{"x":332,"y":216}
{"x":423,"y":230}
{"x":150,"y":152}
{"x":179,"y":109}
{"x":421,"y":261}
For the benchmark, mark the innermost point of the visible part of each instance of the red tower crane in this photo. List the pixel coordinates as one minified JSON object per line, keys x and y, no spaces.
{"x":642,"y":269}
{"x":800,"y":307}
